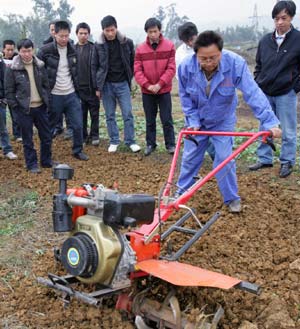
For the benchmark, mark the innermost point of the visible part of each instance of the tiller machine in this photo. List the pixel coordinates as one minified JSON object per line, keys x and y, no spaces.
{"x":101,"y":253}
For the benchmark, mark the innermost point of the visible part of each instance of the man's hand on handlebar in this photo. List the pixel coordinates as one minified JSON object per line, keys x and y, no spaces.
{"x":276,"y":132}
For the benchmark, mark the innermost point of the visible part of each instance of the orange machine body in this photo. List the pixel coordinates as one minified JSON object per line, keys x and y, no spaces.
{"x":77,"y":211}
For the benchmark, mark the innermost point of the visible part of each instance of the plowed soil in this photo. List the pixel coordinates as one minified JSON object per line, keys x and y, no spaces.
{"x":258,"y":245}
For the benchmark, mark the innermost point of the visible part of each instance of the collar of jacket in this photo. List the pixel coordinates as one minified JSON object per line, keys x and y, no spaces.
{"x":90,"y":42}
{"x":70,"y":48}
{"x":2,"y":55}
{"x":273,"y":36}
{"x":159,"y":40}
{"x":17,"y":63}
{"x":121,"y":37}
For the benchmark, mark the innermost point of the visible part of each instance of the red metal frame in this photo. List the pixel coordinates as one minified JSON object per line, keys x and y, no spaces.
{"x":167,"y":209}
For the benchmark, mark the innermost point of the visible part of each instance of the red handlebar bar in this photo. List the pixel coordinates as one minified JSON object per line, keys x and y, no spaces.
{"x":167,"y":209}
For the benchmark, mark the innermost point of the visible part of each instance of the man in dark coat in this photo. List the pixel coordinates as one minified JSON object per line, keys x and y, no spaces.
{"x":112,"y":74}
{"x":27,"y":91}
{"x":60,"y":60}
{"x":87,"y":93}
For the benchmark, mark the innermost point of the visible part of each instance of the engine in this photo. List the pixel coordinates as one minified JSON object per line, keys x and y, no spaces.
{"x":96,"y":251}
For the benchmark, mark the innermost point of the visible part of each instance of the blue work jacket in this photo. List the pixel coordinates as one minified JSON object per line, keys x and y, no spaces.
{"x":217,"y":111}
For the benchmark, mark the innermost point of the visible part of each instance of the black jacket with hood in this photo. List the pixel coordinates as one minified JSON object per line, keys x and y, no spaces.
{"x":17,"y":84}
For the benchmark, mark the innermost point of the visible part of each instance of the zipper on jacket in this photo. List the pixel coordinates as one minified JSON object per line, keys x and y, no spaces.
{"x":155,"y":61}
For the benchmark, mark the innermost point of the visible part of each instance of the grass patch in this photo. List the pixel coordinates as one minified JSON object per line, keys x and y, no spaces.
{"x":16,"y":214}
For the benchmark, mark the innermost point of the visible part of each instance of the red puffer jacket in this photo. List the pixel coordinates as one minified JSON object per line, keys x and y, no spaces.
{"x":155,"y":66}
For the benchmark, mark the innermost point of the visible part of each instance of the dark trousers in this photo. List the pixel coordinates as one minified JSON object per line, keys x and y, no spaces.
{"x":16,"y":129}
{"x":37,"y":116}
{"x":70,"y":106}
{"x":151,"y":103}
{"x":90,"y":104}
{"x":59,"y":128}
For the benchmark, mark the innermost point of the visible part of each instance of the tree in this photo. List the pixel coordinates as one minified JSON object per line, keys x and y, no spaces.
{"x":170,"y":21}
{"x":64,"y":11}
{"x":35,"y":26}
{"x":11,"y":27}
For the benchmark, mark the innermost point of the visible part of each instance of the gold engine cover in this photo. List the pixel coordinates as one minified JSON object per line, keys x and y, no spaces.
{"x":108,"y":246}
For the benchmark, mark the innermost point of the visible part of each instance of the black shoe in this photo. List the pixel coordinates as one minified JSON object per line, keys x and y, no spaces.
{"x":171,"y":149}
{"x":87,"y":140}
{"x":149,"y":149}
{"x":259,"y":165}
{"x":35,"y":170}
{"x":285,"y":170}
{"x":81,"y":156}
{"x":47,"y":166}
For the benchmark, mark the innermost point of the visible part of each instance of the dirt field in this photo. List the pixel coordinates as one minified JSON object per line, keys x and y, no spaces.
{"x":260,"y":245}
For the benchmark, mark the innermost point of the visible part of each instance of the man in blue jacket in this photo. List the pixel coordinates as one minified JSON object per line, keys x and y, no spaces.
{"x":277,"y":73}
{"x":207,"y":88}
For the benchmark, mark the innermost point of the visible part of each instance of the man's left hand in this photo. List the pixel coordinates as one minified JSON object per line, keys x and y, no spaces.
{"x":276,"y":132}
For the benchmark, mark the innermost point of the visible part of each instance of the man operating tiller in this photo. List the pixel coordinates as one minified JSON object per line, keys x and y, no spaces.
{"x":207,"y":87}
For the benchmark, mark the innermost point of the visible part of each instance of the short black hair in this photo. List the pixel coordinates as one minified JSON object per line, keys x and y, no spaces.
{"x":52,"y":22}
{"x":83,"y":26}
{"x":62,"y":25}
{"x":108,"y":21}
{"x":186,"y":31}
{"x":288,"y":6}
{"x":24,"y":43}
{"x":8,"y":42}
{"x":208,"y":38}
{"x":152,"y":22}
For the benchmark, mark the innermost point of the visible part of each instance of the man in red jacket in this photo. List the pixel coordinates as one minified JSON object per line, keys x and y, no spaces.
{"x":154,"y":70}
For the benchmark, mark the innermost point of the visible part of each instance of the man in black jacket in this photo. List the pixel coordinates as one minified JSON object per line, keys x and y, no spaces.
{"x":87,"y":93}
{"x":4,"y":138}
{"x":277,"y":74}
{"x":27,"y":91}
{"x":52,"y":33}
{"x":60,"y":59}
{"x":112,"y":74}
{"x":8,"y":54}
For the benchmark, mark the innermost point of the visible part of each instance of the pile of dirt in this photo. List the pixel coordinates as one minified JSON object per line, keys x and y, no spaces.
{"x":260,"y":245}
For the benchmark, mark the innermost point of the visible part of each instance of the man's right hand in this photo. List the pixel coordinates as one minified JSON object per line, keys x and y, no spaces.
{"x":98,"y":94}
{"x":194,"y":128}
{"x":151,"y":88}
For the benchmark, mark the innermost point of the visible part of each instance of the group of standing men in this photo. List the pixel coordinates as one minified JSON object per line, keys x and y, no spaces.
{"x":72,"y":79}
{"x":69,"y":79}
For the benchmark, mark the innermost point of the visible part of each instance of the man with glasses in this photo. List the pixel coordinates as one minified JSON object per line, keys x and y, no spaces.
{"x":207,"y":88}
{"x":60,"y":60}
{"x":277,"y":74}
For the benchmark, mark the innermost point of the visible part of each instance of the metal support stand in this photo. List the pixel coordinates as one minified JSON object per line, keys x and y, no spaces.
{"x":197,"y":234}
